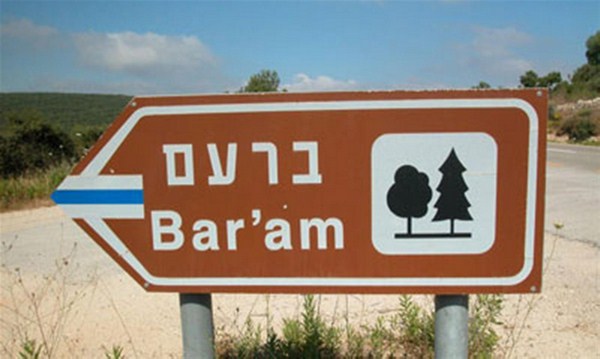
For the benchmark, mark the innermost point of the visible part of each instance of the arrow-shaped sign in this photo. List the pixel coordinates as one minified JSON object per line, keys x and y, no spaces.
{"x":288,"y":192}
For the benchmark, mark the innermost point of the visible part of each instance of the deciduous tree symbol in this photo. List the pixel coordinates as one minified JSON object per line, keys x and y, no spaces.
{"x":452,"y":203}
{"x":409,"y":195}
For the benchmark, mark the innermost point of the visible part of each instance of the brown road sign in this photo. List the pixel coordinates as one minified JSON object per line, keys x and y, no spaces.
{"x":368,"y":192}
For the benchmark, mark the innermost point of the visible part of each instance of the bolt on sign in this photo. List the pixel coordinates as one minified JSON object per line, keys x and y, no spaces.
{"x":366,"y":192}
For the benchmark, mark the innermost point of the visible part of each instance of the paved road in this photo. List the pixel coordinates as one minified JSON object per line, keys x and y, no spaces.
{"x":573,"y":191}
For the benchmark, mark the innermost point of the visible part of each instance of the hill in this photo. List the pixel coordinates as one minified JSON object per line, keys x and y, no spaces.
{"x":65,"y":111}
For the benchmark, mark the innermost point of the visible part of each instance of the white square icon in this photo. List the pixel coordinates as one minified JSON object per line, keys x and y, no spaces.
{"x":433,"y":193}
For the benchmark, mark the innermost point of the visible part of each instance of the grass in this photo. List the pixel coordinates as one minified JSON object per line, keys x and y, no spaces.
{"x":30,"y":350}
{"x":32,"y":189}
{"x":116,"y":352}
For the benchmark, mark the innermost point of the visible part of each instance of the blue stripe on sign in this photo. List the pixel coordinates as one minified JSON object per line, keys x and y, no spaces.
{"x":112,"y":196}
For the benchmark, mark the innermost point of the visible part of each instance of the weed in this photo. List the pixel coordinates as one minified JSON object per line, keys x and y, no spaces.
{"x":30,"y":349}
{"x":409,"y":332}
{"x":44,"y":308}
{"x":525,"y":306}
{"x":355,"y":343}
{"x":116,"y":352}
{"x":380,"y":338}
{"x":39,"y":308}
{"x":415,"y":327}
{"x":319,"y":339}
{"x":484,"y":316}
{"x":308,"y":337}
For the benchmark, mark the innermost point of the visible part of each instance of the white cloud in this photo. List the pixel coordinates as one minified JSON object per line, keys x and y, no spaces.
{"x":304,"y":83}
{"x":495,"y":52}
{"x":25,"y":30}
{"x":143,"y":54}
{"x":126,"y":62}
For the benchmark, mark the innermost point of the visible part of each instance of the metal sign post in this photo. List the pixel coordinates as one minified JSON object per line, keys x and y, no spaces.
{"x":451,"y":326}
{"x":197,"y":327}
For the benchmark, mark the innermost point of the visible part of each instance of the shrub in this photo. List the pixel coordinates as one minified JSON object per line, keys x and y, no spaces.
{"x":579,"y":128}
{"x":416,"y":328}
{"x":307,"y":337}
{"x":484,"y":315}
{"x":33,"y":145}
{"x":554,"y":118}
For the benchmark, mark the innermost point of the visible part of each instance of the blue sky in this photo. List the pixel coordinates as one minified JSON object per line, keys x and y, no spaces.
{"x":143,"y":47}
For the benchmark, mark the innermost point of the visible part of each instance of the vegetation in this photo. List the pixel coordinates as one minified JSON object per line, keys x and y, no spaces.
{"x":37,"y":153}
{"x":116,"y":352}
{"x":30,"y":350}
{"x":585,"y":82}
{"x":580,"y":127}
{"x":34,"y":158}
{"x":16,"y":192}
{"x":482,"y":85}
{"x":578,"y":124}
{"x":37,"y":308}
{"x":409,"y":332}
{"x":32,"y":145}
{"x":68,"y":112}
{"x":42,"y":135}
{"x":264,"y":81}
{"x":531,"y":79}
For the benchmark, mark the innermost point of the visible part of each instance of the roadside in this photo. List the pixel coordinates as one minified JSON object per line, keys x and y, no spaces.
{"x":56,"y":281}
{"x":89,"y":304}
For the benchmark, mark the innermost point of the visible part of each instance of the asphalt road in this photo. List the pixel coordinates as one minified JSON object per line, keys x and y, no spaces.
{"x":573,"y":192}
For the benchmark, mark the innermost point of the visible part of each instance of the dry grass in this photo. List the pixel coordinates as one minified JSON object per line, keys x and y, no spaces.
{"x":31,"y":190}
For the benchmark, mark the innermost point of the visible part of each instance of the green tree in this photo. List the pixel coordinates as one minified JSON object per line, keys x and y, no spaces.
{"x":264,"y":81}
{"x":551,"y":80}
{"x":529,"y":79}
{"x":482,"y":85}
{"x":587,"y":77}
{"x":593,"y":49}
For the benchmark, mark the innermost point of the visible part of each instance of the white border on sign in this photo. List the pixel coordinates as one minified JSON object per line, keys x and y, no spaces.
{"x":147,"y":113}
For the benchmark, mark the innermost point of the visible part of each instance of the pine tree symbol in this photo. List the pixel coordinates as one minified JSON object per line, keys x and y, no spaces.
{"x":452,"y":203}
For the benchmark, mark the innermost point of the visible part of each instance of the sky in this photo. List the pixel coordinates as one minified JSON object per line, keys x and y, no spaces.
{"x":174,"y":47}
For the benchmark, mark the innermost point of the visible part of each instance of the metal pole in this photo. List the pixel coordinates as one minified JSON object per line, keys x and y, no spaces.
{"x":197,"y":325}
{"x":451,"y":326}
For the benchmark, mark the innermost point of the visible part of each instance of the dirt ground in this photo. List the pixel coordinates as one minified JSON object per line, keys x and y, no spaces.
{"x":57,"y":286}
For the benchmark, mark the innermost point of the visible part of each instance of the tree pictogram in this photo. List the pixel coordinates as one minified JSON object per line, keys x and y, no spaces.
{"x":409,"y":195}
{"x":452,"y":204}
